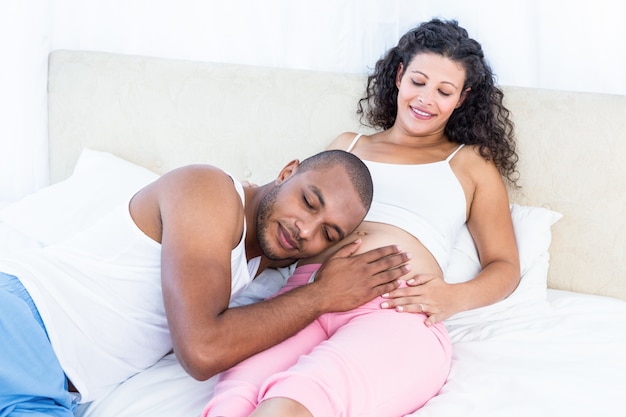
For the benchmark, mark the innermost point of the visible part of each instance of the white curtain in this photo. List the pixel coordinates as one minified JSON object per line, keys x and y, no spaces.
{"x":533,"y":43}
{"x":24,"y":45}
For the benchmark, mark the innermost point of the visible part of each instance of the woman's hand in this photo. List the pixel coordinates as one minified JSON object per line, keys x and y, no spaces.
{"x":428,"y":294}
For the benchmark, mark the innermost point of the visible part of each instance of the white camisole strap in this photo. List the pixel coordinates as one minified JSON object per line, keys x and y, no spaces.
{"x":354,"y":141}
{"x":454,"y":153}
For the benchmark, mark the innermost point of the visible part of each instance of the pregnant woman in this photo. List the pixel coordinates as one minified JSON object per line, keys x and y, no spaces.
{"x":440,"y":160}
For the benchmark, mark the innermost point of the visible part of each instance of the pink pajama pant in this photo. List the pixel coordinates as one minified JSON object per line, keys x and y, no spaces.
{"x":365,"y":362}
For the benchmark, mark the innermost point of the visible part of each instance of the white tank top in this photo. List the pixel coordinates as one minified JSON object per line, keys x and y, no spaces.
{"x":426,"y":200}
{"x":99,"y":295}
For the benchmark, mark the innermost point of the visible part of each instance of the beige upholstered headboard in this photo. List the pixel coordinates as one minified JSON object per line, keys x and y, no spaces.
{"x":251,"y":121}
{"x":164,"y":113}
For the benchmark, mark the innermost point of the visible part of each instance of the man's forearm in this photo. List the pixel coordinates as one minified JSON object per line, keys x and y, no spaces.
{"x":240,"y":332}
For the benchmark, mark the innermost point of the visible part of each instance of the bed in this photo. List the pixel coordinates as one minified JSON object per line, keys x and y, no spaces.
{"x":555,"y":347}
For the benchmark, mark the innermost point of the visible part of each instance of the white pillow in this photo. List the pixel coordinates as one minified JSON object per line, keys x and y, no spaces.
{"x":98,"y":183}
{"x":533,"y":235}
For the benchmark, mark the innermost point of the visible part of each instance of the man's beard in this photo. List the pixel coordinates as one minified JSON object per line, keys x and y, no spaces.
{"x":266,"y":208}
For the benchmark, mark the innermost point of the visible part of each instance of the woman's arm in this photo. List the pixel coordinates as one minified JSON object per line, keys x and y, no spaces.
{"x":489,"y":222}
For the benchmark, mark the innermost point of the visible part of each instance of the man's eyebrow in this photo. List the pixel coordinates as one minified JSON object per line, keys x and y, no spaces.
{"x":320,"y":197}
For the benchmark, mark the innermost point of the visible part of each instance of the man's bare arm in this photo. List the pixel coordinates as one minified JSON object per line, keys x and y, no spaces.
{"x":235,"y":334}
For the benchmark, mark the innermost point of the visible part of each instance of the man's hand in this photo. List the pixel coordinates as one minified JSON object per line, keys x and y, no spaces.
{"x":347,"y":281}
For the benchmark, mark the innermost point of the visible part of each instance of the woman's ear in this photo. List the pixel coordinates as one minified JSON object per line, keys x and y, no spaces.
{"x":288,"y":171}
{"x":463,"y":97}
{"x":399,"y":75}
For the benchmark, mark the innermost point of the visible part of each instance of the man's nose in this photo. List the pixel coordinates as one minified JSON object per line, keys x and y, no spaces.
{"x":307,"y":227}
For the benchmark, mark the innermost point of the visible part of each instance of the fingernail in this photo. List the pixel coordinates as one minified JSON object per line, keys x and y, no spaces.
{"x":410,"y":281}
{"x":400,"y":309}
{"x":385,"y":295}
{"x":385,"y":305}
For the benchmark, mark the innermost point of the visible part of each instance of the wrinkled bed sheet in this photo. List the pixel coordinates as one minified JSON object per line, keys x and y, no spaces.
{"x":566,"y":357}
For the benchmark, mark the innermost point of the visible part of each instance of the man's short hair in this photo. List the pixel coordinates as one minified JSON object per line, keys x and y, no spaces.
{"x":357,"y":171}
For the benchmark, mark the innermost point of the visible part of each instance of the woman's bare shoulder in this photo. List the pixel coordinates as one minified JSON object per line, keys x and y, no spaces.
{"x":469,"y":158}
{"x":475,"y":171}
{"x":342,"y":141}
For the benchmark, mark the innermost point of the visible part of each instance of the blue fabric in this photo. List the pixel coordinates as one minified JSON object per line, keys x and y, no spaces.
{"x":32,"y":382}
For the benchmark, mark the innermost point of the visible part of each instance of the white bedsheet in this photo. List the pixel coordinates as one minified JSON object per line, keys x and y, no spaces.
{"x":565,"y":358}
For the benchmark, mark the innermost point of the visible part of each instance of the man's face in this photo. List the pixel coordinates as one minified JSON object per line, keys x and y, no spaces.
{"x":307,"y":213}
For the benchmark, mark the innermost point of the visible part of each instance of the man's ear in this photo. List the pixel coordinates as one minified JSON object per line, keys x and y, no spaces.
{"x":463,"y":97}
{"x":288,"y":171}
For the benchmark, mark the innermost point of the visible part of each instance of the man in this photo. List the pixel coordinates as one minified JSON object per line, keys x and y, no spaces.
{"x":158,"y":273}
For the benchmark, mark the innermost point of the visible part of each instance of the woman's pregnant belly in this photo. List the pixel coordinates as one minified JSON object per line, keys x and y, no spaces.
{"x":375,"y":235}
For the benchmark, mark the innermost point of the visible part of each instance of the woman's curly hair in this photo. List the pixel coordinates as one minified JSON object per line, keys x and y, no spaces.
{"x":481,"y":120}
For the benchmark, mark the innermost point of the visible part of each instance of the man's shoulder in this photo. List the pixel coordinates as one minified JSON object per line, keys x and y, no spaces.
{"x":202,"y":197}
{"x":199,"y":174}
{"x":196,"y":169}
{"x":201,"y":182}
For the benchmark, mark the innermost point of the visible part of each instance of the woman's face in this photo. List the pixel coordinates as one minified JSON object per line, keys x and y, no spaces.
{"x":429,"y":90}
